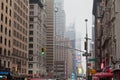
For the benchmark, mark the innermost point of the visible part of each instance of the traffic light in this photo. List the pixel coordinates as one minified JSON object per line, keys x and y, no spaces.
{"x":43,"y":51}
{"x":85,"y":44}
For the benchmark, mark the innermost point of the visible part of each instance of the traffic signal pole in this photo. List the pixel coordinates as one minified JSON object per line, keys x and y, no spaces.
{"x":86,"y":53}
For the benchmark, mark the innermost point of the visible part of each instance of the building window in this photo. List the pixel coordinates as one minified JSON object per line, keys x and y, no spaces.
{"x":30,"y":72}
{"x":31,"y":19}
{"x":1,"y":39}
{"x":0,"y":62}
{"x":6,"y":9}
{"x":6,"y":31}
{"x":1,"y":17}
{"x":5,"y":41}
{"x":9,"y":43}
{"x":10,"y":12}
{"x":9,"y":22}
{"x":31,"y":26}
{"x":15,"y":24}
{"x":4,"y":63}
{"x":1,"y":28}
{"x":30,"y":45}
{"x":9,"y":33}
{"x":6,"y":20}
{"x":6,"y":1}
{"x":5,"y":52}
{"x":31,"y":32}
{"x":31,"y":6}
{"x":31,"y":39}
{"x":30,"y":52}
{"x":8,"y":64}
{"x":30,"y":65}
{"x":10,"y":2}
{"x":31,"y":12}
{"x":0,"y":50}
{"x":8,"y":52}
{"x":2,"y":6}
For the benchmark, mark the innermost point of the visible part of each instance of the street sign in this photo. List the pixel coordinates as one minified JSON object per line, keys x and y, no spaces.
{"x":86,"y":54}
{"x":92,"y":59}
{"x":92,"y":71}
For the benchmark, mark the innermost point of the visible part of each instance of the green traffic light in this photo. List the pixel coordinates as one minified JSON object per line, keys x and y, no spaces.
{"x":43,"y":53}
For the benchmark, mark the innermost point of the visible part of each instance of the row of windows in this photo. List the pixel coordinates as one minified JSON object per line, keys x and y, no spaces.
{"x":4,"y":52}
{"x":19,"y":44}
{"x":2,"y":4}
{"x":20,"y":12}
{"x":20,"y":36}
{"x":22,"y":5}
{"x":31,"y":19}
{"x":31,"y":6}
{"x":19,"y":62}
{"x":31,"y":13}
{"x":30,"y":65}
{"x":6,"y":19}
{"x":20,"y":28}
{"x":20,"y":20}
{"x":6,"y":42}
{"x":6,"y":9}
{"x":19,"y":53}
{"x":6,"y":31}
{"x":5,"y":63}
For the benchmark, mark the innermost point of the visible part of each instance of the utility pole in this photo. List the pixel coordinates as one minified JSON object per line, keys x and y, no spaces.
{"x":86,"y":48}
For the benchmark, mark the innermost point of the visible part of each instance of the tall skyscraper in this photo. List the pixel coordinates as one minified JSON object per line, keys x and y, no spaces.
{"x":60,"y":55}
{"x":70,"y":33}
{"x":37,"y":38}
{"x":59,"y":17}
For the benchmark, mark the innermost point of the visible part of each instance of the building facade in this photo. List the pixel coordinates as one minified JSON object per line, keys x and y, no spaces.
{"x":50,"y":36}
{"x":107,"y":38}
{"x":14,"y":35}
{"x":37,"y":38}
{"x":59,"y":48}
{"x":59,"y":17}
{"x":70,"y":33}
{"x":20,"y":28}
{"x":5,"y":34}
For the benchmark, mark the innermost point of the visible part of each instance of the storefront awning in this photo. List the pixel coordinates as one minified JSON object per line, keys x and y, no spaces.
{"x":103,"y":74}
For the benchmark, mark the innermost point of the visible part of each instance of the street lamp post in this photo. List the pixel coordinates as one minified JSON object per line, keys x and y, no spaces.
{"x":86,"y":53}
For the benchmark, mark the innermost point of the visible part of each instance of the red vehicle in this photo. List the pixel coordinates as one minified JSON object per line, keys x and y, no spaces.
{"x":102,"y":76}
{"x":36,"y":79}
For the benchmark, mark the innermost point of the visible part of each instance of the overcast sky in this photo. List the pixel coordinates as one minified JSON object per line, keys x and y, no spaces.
{"x":77,"y":11}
